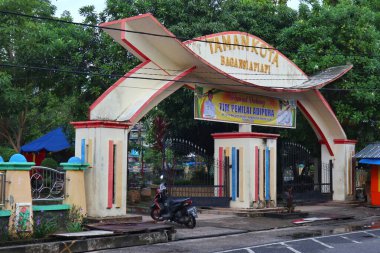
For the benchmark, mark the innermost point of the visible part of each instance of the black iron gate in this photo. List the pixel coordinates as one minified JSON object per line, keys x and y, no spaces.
{"x":306,"y":177}
{"x":190,"y":172}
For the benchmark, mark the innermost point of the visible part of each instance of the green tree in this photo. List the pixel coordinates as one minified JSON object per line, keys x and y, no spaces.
{"x":37,"y":98}
{"x":336,"y":34}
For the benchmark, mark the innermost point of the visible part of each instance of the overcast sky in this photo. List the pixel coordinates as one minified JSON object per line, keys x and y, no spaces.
{"x":74,"y":5}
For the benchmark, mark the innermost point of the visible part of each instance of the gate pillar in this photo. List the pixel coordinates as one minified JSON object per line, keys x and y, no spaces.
{"x":103,"y":145}
{"x":343,"y":183}
{"x":252,"y":175}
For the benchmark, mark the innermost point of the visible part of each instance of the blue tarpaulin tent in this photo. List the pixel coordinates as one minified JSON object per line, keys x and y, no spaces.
{"x":53,"y":141}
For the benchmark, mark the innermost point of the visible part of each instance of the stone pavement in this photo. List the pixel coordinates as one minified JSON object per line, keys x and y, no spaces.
{"x":211,"y":225}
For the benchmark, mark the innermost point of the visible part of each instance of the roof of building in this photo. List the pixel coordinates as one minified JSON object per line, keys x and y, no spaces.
{"x":372,"y":151}
{"x":53,"y":141}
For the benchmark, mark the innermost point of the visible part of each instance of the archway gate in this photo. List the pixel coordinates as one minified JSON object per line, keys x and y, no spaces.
{"x":229,"y":61}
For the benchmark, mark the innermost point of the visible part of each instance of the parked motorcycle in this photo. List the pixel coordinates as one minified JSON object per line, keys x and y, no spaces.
{"x":177,"y":210}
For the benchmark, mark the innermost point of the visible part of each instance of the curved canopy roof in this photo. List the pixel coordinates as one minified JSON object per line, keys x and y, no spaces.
{"x":228,"y":58}
{"x":53,"y":141}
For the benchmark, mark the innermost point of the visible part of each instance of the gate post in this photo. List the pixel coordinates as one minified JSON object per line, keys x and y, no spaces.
{"x":75,"y":188}
{"x":253,"y":158}
{"x":104,"y":146}
{"x":18,"y":194}
{"x":344,"y":150}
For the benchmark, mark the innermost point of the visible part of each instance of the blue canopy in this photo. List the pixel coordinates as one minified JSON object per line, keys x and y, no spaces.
{"x":53,"y":141}
{"x":370,"y":161}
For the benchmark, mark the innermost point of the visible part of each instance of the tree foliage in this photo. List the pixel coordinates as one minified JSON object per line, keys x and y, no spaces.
{"x":316,"y":36}
{"x":338,"y":33}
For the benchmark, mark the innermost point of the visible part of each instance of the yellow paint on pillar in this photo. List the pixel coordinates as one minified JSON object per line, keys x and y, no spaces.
{"x":272,"y":174}
{"x":228,"y":151}
{"x":261,"y":174}
{"x":75,"y":190}
{"x":241,"y":174}
{"x":119,"y":174}
{"x":18,"y":191}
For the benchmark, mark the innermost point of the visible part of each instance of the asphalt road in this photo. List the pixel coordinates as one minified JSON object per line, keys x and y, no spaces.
{"x":271,"y":241}
{"x":362,"y":241}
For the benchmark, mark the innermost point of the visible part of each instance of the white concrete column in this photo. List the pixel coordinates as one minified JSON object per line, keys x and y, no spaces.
{"x":343,"y":171}
{"x":245,"y":186}
{"x":104,"y":145}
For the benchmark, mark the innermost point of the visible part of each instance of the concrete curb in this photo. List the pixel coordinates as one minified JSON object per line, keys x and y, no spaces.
{"x":211,"y":235}
{"x":91,"y":244}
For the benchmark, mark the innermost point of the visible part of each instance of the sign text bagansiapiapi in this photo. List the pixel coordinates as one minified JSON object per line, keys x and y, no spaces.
{"x":244,"y":42}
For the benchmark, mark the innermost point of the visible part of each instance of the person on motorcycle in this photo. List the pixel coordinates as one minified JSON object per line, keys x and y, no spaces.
{"x":164,"y":198}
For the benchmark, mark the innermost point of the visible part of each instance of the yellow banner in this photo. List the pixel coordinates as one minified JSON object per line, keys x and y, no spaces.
{"x":217,"y":105}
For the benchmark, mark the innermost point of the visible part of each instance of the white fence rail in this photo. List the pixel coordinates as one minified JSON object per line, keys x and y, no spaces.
{"x":47,"y":184}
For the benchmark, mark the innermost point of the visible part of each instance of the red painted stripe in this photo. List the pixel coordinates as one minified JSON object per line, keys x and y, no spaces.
{"x":123,"y":36}
{"x":256,"y":173}
{"x":158,"y":92}
{"x":115,"y":85}
{"x":315,"y":127}
{"x":344,"y":141}
{"x":220,"y":171}
{"x":110,"y":174}
{"x":99,"y":124}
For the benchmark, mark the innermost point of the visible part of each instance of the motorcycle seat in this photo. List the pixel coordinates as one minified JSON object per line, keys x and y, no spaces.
{"x":176,"y":201}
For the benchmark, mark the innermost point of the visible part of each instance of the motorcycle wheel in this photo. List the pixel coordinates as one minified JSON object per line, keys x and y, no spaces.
{"x":155,"y":214}
{"x":191,"y":223}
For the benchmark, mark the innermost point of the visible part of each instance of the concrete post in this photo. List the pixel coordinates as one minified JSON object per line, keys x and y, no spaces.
{"x":104,"y":146}
{"x":253,"y":157}
{"x":18,"y":194}
{"x":343,"y":186}
{"x":75,"y":188}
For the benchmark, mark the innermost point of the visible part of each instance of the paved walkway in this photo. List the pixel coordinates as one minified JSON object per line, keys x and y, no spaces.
{"x":210,"y":225}
{"x":215,"y":225}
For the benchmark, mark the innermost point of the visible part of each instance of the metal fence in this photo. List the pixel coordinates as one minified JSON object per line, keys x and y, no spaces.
{"x":2,"y":189}
{"x":326,"y":178}
{"x":307,"y":177}
{"x":47,"y":184}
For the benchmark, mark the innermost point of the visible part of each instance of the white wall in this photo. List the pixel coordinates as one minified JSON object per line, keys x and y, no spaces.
{"x":96,"y":177}
{"x":248,"y":146}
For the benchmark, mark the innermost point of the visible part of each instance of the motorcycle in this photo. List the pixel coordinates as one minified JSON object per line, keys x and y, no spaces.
{"x":177,"y":210}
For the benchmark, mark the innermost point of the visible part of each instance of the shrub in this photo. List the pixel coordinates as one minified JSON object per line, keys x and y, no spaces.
{"x":6,"y":152}
{"x":50,"y":163}
{"x":44,"y":226}
{"x":75,"y":219}
{"x":4,"y":235}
